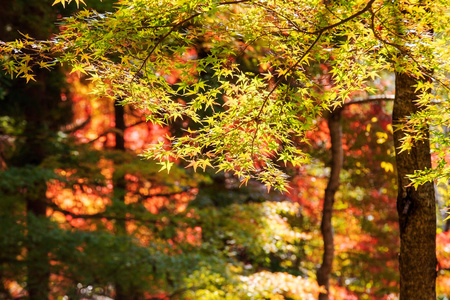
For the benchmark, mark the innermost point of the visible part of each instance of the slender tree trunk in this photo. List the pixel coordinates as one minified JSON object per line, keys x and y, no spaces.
{"x":416,"y":208}
{"x":38,"y":264}
{"x":120,"y":187}
{"x":33,"y":154}
{"x":323,"y":273}
{"x":119,"y":113}
{"x":119,"y":184}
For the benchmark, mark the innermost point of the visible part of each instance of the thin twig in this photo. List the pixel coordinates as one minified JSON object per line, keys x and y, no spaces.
{"x":323,"y":29}
{"x":283,"y":16}
{"x":319,"y":34}
{"x":175,"y":26}
{"x":161,"y":39}
{"x":115,"y":130}
{"x":277,"y":83}
{"x":405,"y":52}
{"x":369,"y":99}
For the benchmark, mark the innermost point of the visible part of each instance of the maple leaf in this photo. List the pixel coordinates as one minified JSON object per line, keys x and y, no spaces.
{"x":29,"y":77}
{"x":78,"y":68}
{"x":166,"y":165}
{"x":63,"y":2}
{"x":193,"y":164}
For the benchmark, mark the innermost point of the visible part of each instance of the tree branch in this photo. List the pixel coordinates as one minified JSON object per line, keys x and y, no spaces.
{"x":277,"y":83}
{"x":161,"y":39}
{"x":323,"y":29}
{"x":111,"y":130}
{"x":283,"y":16}
{"x":100,"y":215}
{"x":75,"y":126}
{"x":115,"y":130}
{"x":319,"y":34}
{"x":368,"y":99}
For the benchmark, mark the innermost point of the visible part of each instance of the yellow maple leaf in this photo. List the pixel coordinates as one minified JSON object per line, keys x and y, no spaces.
{"x":63,"y":2}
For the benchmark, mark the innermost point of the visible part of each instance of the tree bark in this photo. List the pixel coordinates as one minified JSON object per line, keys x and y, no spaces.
{"x":123,"y":292}
{"x":416,"y":208}
{"x":119,"y":185}
{"x":33,"y":153}
{"x":326,"y":227}
{"x":119,"y":182}
{"x":119,"y":113}
{"x":38,"y":263}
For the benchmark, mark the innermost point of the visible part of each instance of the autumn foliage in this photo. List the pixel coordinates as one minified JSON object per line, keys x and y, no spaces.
{"x":144,"y":166}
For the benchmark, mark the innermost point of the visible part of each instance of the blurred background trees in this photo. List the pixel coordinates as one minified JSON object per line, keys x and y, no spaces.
{"x":82,"y":216}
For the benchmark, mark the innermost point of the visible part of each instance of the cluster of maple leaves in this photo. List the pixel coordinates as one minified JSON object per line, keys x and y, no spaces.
{"x":365,"y":211}
{"x":365,"y":218}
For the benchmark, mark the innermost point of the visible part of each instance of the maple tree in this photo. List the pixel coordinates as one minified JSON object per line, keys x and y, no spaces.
{"x":165,"y":249}
{"x":83,"y":205}
{"x":247,"y":123}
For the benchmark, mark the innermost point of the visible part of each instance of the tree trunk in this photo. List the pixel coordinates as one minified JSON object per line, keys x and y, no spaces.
{"x":33,"y":153}
{"x":128,"y":292}
{"x":119,"y":113}
{"x":323,"y":273}
{"x":447,"y":224}
{"x":38,"y":264}
{"x":416,"y":208}
{"x":119,"y":184}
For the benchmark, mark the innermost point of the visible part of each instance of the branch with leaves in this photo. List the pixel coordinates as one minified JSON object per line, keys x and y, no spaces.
{"x":245,"y":122}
